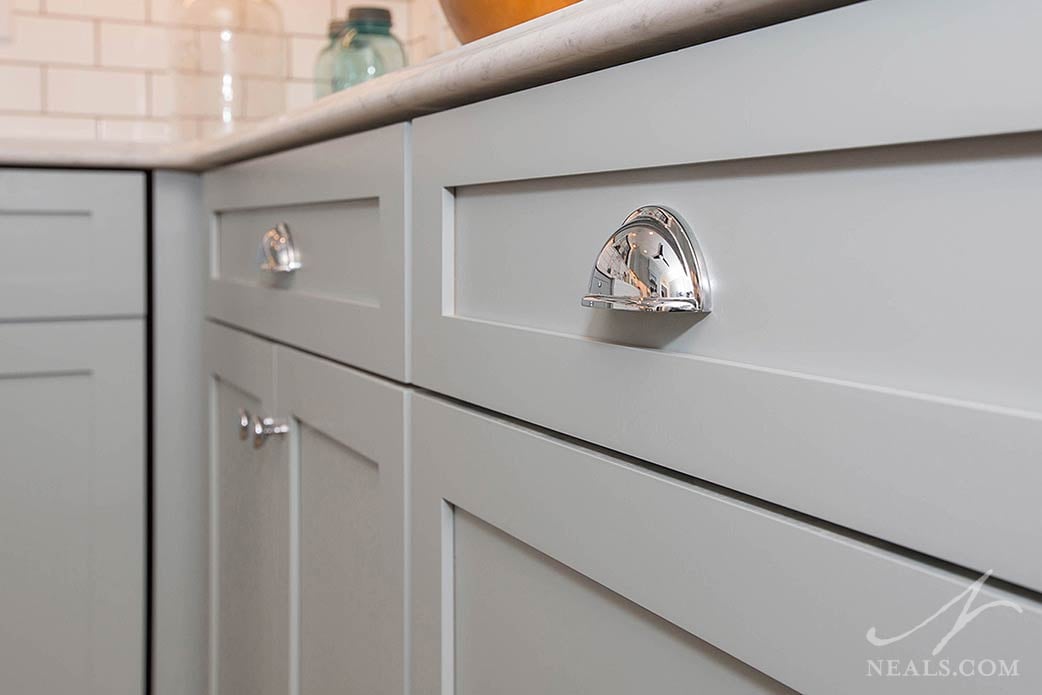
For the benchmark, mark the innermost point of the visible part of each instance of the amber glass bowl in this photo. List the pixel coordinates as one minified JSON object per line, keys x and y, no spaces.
{"x":472,"y":19}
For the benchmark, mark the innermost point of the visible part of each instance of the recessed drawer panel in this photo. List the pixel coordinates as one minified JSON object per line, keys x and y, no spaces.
{"x":308,"y":248}
{"x":869,"y":358}
{"x":542,"y":566}
{"x":73,"y":244}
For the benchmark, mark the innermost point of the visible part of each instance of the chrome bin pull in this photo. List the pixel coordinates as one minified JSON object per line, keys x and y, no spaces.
{"x":278,"y":253}
{"x":651,"y":263}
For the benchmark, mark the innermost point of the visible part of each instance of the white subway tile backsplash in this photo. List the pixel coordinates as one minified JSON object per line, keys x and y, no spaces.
{"x":134,"y":46}
{"x":264,"y":98}
{"x":135,"y":131}
{"x":54,"y":127}
{"x":143,"y":70}
{"x":80,"y":91}
{"x":197,"y":95}
{"x":161,"y":95}
{"x":265,"y":54}
{"x":115,"y":9}
{"x":299,"y":93}
{"x":50,"y":40}
{"x":302,"y":54}
{"x":20,"y":88}
{"x":305,"y":17}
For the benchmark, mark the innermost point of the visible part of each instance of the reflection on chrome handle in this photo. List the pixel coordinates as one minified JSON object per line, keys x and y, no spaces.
{"x":267,"y":427}
{"x":651,"y":263}
{"x":277,"y":253}
{"x":244,"y":424}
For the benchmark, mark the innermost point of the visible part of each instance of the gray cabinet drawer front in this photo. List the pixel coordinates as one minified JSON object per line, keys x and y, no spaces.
{"x":73,"y":244}
{"x":568,"y":527}
{"x":869,"y":347}
{"x":344,"y":204}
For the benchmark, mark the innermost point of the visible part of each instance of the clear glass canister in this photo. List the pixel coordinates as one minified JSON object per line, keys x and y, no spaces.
{"x":367,"y":48}
{"x":238,"y":71}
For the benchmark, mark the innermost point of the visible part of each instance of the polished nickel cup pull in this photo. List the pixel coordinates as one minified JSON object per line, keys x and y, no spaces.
{"x":277,"y":253}
{"x":651,"y":263}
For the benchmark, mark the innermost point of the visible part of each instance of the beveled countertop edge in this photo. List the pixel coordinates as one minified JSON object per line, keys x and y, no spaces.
{"x":581,"y":38}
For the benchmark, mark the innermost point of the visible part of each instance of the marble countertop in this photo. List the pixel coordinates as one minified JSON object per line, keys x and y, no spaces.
{"x":581,"y":38}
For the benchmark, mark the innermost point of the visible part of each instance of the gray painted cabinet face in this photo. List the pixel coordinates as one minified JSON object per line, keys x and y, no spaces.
{"x":868,"y":345}
{"x":540,"y":566}
{"x":72,"y":428}
{"x":347,"y":448}
{"x":345,"y":205}
{"x":73,"y":243}
{"x":250,"y":517}
{"x":308,"y":530}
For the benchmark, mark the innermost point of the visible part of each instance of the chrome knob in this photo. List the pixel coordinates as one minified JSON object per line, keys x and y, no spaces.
{"x":267,"y":427}
{"x":278,"y":253}
{"x":244,"y":424}
{"x":651,"y":263}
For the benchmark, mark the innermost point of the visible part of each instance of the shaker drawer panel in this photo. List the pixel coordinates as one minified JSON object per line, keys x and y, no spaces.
{"x":333,"y":233}
{"x":869,"y":345}
{"x":309,"y":248}
{"x":574,"y":571}
{"x":73,"y":243}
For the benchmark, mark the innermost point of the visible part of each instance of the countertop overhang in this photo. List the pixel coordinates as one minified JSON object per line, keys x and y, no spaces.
{"x":581,"y":38}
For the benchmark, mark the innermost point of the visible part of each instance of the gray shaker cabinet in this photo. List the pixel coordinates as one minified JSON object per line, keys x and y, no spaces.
{"x":250,"y":516}
{"x":72,"y":507}
{"x":308,"y":537}
{"x":72,"y":432}
{"x":542,"y":566}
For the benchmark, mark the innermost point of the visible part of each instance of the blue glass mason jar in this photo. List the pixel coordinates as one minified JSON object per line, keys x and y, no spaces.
{"x":324,"y":62}
{"x":367,"y":48}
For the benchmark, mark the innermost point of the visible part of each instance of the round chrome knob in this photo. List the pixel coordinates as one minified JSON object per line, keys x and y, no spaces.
{"x":244,"y":424}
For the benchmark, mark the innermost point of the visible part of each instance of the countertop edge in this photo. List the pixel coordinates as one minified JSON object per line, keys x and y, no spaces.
{"x":581,"y":38}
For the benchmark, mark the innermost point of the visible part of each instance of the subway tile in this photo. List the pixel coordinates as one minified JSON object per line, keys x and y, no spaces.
{"x":260,"y":55}
{"x":162,"y":95}
{"x":305,"y":16}
{"x":50,"y":40}
{"x":163,"y":11}
{"x":71,"y":90}
{"x":134,"y":46}
{"x":135,"y":131}
{"x":183,"y":49}
{"x":182,"y":94}
{"x":115,"y":9}
{"x":20,"y":88}
{"x":302,"y":54}
{"x":299,"y":93}
{"x":264,"y":98}
{"x":52,"y":127}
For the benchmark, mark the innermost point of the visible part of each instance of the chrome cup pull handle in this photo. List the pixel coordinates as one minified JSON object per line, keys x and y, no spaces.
{"x":278,"y":253}
{"x":651,"y":263}
{"x":267,"y":427}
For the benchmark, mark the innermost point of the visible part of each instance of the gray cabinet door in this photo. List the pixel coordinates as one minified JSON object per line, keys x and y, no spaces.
{"x":346,"y":452}
{"x":250,"y":522}
{"x":73,"y":243}
{"x":541,"y":566}
{"x":72,"y":453}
